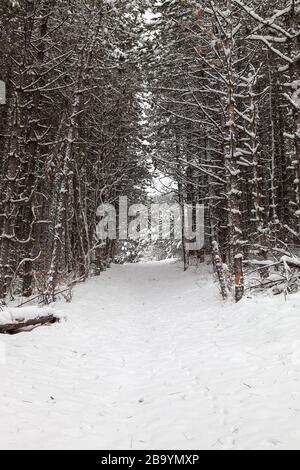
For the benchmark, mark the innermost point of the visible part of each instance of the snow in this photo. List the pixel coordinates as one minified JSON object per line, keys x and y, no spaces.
{"x":150,"y":358}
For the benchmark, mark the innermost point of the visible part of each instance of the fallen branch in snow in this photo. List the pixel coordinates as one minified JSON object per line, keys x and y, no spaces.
{"x":15,"y":327}
{"x":287,"y":277}
{"x":285,"y":260}
{"x":15,"y":319}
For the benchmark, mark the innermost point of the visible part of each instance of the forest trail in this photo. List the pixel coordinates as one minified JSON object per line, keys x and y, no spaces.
{"x":151,"y":359}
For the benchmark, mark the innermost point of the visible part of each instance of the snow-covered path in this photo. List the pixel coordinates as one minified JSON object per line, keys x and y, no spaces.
{"x":150,"y":359}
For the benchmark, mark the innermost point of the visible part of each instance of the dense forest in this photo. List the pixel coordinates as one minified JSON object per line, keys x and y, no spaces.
{"x":104,"y":94}
{"x":70,"y":135}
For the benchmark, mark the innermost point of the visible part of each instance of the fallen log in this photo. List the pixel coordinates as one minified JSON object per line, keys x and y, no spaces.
{"x":21,"y":324}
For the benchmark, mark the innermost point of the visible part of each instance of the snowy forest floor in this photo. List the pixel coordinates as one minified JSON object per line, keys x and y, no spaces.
{"x":151,"y":359}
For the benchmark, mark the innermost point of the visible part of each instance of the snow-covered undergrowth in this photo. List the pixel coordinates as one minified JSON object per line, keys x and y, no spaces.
{"x":152,"y":359}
